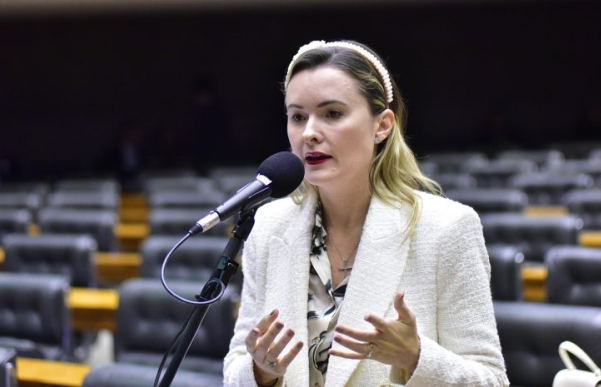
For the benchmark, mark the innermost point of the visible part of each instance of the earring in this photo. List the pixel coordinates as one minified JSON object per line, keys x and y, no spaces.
{"x":377,"y":140}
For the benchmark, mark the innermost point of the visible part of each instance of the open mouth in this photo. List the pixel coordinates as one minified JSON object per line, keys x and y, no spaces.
{"x":316,"y":158}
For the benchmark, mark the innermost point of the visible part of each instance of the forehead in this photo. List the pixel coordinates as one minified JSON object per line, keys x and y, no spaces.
{"x":322,"y":83}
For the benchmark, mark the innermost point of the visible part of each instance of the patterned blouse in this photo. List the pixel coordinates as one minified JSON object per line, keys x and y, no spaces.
{"x":324,"y":305}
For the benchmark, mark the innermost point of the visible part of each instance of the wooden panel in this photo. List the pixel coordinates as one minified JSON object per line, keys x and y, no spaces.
{"x":93,"y":309}
{"x":546,"y":211}
{"x":117,"y":267}
{"x":590,"y":238}
{"x":44,"y":373}
{"x":533,"y":283}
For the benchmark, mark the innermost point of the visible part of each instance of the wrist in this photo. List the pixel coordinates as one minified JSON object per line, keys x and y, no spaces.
{"x":263,"y":380}
{"x":269,"y":384}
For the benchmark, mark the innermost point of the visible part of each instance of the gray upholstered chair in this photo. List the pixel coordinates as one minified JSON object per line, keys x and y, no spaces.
{"x":574,"y":275}
{"x":486,"y":200}
{"x":533,"y":235}
{"x":35,"y":317}
{"x":506,"y":265}
{"x":530,"y":335}
{"x":148,"y":319}
{"x":8,"y":367}
{"x":586,"y":203}
{"x":68,"y":255}
{"x":194,"y":260}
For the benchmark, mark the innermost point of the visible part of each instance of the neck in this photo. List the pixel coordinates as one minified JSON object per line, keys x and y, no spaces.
{"x":345,"y":211}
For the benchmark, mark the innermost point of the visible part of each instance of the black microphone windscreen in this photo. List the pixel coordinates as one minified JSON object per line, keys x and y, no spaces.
{"x":285,"y":170}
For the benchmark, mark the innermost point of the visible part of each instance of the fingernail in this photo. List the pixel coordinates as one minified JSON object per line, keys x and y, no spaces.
{"x":272,"y":312}
{"x":366,"y":318}
{"x":279,"y":325}
{"x":290,"y":333}
{"x":254,"y":332}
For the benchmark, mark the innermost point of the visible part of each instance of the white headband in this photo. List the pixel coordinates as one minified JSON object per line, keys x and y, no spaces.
{"x":316,"y":44}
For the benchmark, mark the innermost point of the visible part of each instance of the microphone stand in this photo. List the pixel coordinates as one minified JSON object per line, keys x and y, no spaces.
{"x":223,"y":272}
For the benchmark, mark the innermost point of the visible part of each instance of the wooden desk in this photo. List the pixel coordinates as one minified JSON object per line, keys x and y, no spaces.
{"x":93,"y":309}
{"x":131,"y":235}
{"x":117,"y":267}
{"x":545,"y":211}
{"x":44,"y":373}
{"x":590,"y":238}
{"x":533,"y":283}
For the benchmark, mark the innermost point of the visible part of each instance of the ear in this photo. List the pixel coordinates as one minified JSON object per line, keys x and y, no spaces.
{"x":384,"y":124}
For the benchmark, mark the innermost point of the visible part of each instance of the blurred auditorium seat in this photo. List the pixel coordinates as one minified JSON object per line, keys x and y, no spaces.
{"x":590,"y":167}
{"x":487,"y":200}
{"x":530,"y":335}
{"x":36,"y":321}
{"x":98,"y":223}
{"x":454,"y":180}
{"x":83,"y":200}
{"x":21,"y":200}
{"x":541,"y":157}
{"x":455,"y":162}
{"x":8,"y":370}
{"x":533,"y":235}
{"x":14,"y":221}
{"x":177,"y":221}
{"x":35,"y":187}
{"x":148,"y":319}
{"x":185,"y":199}
{"x":574,"y":275}
{"x":194,"y":260}
{"x":179,"y":184}
{"x":549,"y":188}
{"x":88,"y":185}
{"x":506,"y":266}
{"x":587,"y":205}
{"x":68,"y":255}
{"x":496,"y":173}
{"x":134,"y":375}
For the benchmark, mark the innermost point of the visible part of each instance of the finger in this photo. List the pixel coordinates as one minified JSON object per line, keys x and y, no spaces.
{"x":362,"y":336}
{"x":287,"y":358}
{"x":251,"y":340}
{"x":361,"y":347}
{"x":278,"y":346}
{"x":405,"y":314}
{"x":267,"y":339}
{"x":267,"y":320}
{"x":378,"y":322}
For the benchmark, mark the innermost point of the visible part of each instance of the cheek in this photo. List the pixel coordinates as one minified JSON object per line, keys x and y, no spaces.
{"x":295,"y":142}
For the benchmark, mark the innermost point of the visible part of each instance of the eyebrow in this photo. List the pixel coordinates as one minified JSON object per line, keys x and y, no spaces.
{"x":321,"y":104}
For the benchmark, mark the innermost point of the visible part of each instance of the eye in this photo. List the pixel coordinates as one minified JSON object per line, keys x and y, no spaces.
{"x":296,"y":117}
{"x":334,"y":114}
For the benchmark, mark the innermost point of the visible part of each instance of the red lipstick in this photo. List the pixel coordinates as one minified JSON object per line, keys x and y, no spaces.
{"x":316,"y":158}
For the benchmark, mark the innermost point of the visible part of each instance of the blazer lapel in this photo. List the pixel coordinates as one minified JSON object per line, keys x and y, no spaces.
{"x":289,"y":267}
{"x":375,"y":279}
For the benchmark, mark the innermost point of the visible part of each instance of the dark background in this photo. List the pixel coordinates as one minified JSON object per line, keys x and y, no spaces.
{"x":475,"y":76}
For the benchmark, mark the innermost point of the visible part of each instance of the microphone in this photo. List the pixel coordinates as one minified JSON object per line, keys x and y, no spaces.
{"x":277,"y":176}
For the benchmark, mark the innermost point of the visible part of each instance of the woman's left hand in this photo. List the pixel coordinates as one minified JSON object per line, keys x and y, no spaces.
{"x":395,"y":341}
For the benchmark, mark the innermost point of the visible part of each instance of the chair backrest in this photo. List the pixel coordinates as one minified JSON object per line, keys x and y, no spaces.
{"x":8,"y":367}
{"x":35,"y":318}
{"x":193,"y":260}
{"x":115,"y":375}
{"x":548,"y":188}
{"x":486,"y":200}
{"x":177,"y":221}
{"x":540,"y":157}
{"x":68,"y":255}
{"x":185,"y":199}
{"x":585,"y":203}
{"x":21,"y":200}
{"x":454,"y":180}
{"x":455,"y":162}
{"x":88,"y":185}
{"x":574,"y":275}
{"x":496,"y":173}
{"x":533,"y":235}
{"x":506,"y":265}
{"x":530,"y":335}
{"x":97,"y":223}
{"x":84,"y":199}
{"x":148,"y":319}
{"x":14,"y":221}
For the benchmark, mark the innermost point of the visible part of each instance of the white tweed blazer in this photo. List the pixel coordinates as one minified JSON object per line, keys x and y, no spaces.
{"x":443,"y":270}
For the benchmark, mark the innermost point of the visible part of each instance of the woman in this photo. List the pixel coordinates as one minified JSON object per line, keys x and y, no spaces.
{"x":366,"y":276}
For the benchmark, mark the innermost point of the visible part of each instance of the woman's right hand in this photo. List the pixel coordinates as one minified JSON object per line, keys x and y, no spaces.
{"x":267,"y":349}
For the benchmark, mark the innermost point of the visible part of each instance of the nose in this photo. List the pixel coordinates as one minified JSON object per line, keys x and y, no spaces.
{"x":311,"y":132}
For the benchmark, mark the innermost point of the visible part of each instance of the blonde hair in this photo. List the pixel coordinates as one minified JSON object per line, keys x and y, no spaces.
{"x":394,"y":174}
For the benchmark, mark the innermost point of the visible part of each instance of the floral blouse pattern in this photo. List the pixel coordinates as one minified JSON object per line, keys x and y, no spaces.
{"x":323,"y":304}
